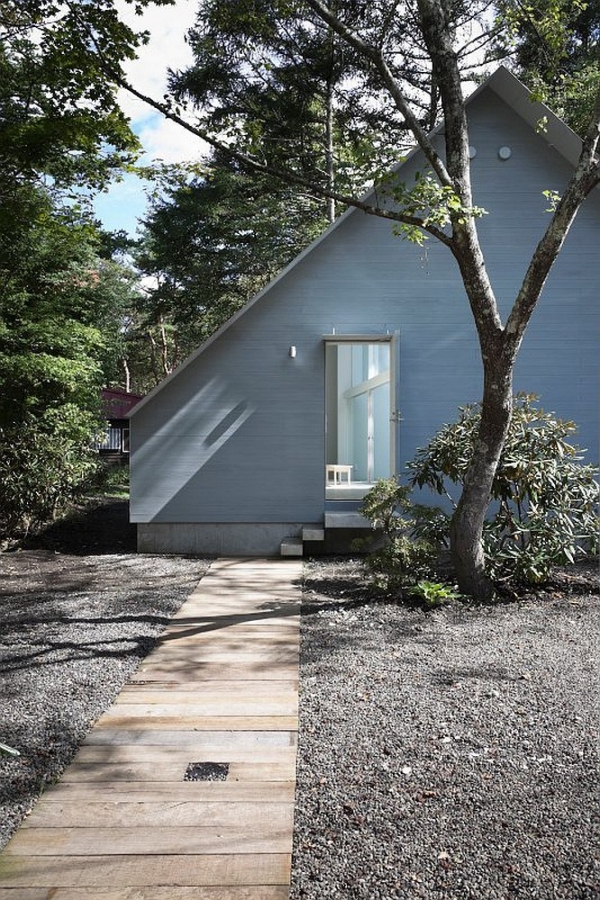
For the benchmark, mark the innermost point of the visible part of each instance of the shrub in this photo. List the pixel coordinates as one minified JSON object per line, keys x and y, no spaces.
{"x":109,"y":479}
{"x":545,"y":509}
{"x":401,"y":557}
{"x":43,"y":465}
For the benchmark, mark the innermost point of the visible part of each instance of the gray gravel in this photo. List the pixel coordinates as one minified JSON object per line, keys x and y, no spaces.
{"x":449,"y":753}
{"x":72,"y":629}
{"x":443,"y":754}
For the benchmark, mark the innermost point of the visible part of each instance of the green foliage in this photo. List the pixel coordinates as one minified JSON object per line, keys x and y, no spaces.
{"x":44,"y":464}
{"x":402,"y":557}
{"x":272,"y":79}
{"x":210,"y":242}
{"x":545,"y":500}
{"x":58,"y":102}
{"x":431,"y":202}
{"x":556,"y":47}
{"x":61,"y":297}
{"x":109,"y":480}
{"x":433,"y":593}
{"x":59,"y":310}
{"x":60,"y":318}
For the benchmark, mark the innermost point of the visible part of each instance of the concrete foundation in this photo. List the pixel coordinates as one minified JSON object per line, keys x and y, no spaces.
{"x":215,"y":538}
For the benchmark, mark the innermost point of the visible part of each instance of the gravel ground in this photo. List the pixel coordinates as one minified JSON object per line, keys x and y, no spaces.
{"x":73,"y":627}
{"x":449,"y":753}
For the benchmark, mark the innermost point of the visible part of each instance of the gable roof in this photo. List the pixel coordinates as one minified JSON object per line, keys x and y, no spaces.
{"x":514,"y":93}
{"x":503,"y":83}
{"x":118,"y":404}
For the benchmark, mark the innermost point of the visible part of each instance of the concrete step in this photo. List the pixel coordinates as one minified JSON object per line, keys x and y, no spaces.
{"x":292,"y":546}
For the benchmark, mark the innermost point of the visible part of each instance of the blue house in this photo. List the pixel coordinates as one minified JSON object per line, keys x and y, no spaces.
{"x":353,"y":357}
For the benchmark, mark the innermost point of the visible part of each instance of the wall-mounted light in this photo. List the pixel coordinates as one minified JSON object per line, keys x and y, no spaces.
{"x":504,"y":153}
{"x":292,"y":352}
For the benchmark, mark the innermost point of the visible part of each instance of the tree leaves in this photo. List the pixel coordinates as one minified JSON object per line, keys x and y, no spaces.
{"x":58,"y":100}
{"x":209,"y":243}
{"x":546,"y":500}
{"x":556,"y":47}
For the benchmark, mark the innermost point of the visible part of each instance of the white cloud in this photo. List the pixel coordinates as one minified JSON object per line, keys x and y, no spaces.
{"x":169,"y":142}
{"x":167,"y":26}
{"x":161,"y":139}
{"x":148,"y":73}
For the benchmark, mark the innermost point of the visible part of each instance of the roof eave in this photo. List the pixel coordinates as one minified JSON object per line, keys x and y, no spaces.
{"x":539,"y":116}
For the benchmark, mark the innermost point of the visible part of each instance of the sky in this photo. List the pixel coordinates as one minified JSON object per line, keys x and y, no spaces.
{"x":125,"y":202}
{"x":121,"y":206}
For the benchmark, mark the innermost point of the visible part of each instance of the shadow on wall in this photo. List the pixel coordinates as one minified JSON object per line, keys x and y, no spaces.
{"x":191,"y":436}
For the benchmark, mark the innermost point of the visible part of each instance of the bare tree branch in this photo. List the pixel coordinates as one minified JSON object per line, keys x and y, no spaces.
{"x":287,"y":175}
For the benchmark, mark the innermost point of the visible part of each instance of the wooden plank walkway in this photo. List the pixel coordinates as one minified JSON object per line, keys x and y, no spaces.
{"x":220,"y":687}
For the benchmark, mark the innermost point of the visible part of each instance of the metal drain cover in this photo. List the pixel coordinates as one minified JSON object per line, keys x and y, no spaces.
{"x":206,"y":771}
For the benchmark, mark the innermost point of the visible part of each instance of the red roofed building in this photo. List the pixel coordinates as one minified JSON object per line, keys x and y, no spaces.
{"x":116,"y":407}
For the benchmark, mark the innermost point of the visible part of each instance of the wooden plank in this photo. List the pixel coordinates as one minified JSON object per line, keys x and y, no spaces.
{"x":193,"y":671}
{"x":216,"y":574}
{"x":154,"y":755}
{"x":220,"y":686}
{"x":259,"y":622}
{"x":256,"y":643}
{"x":174,"y":771}
{"x":141,"y":740}
{"x":160,"y":813}
{"x":232,"y":627}
{"x":200,"y":723}
{"x":197,"y":690}
{"x":198,"y":655}
{"x":244,"y":644}
{"x":100,"y":871}
{"x":231,"y":892}
{"x":263,"y":599}
{"x":275,"y":587}
{"x":221,"y":613}
{"x":153,"y":841}
{"x":262,"y":771}
{"x":238,"y":632}
{"x":263,"y":704}
{"x":21,"y":893}
{"x":270,"y":589}
{"x":215,"y":706}
{"x":181,"y":791}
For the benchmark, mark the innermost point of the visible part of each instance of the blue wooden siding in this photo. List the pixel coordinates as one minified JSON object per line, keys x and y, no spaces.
{"x":238,"y":436}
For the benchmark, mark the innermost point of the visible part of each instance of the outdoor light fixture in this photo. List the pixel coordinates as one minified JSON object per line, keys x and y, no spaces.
{"x":292,"y":352}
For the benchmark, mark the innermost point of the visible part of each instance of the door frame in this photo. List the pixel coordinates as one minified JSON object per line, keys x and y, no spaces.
{"x":391,"y":338}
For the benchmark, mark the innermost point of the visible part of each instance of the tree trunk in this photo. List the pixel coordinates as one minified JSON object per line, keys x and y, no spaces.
{"x":329,"y":144}
{"x":466,"y":528}
{"x":127,"y":375}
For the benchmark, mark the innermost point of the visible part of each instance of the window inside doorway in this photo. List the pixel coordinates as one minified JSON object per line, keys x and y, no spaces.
{"x":358,"y":413}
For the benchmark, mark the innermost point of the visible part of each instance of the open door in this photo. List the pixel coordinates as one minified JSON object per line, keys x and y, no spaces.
{"x":358,"y":406}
